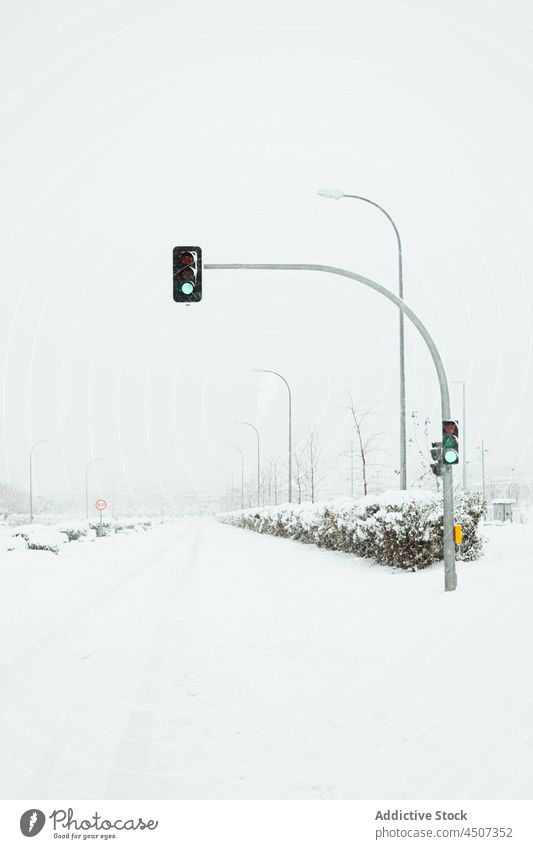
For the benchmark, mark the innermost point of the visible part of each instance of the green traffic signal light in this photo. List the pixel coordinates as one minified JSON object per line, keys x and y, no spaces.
{"x":187,"y":288}
{"x":451,"y":456}
{"x":450,"y":442}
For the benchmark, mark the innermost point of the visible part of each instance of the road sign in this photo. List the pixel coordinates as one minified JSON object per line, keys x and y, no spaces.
{"x":100,"y":504}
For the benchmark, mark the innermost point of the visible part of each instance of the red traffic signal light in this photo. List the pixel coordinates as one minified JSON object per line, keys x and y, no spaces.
{"x":186,"y":258}
{"x":187,"y":274}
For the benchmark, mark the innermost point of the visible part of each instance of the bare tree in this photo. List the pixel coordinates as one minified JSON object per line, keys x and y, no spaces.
{"x":493,"y":490}
{"x":423,"y":453}
{"x":272,"y":482}
{"x":306,"y":467}
{"x":250,"y":493}
{"x":298,"y":467}
{"x":12,"y":499}
{"x":313,"y":457}
{"x":365,"y":442}
{"x":273,"y":492}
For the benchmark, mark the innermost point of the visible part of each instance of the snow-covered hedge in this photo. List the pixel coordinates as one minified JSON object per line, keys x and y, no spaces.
{"x":112,"y":526}
{"x":51,"y":538}
{"x":75,"y":530}
{"x":402,"y":529}
{"x":41,"y":537}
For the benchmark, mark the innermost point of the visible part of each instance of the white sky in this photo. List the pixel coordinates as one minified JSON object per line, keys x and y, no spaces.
{"x":131,"y":127}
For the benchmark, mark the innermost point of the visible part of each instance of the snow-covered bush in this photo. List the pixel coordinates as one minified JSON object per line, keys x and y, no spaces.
{"x":104,"y":529}
{"x":75,"y":530}
{"x":41,"y":537}
{"x":402,"y":529}
{"x":18,"y":518}
{"x":10,"y":543}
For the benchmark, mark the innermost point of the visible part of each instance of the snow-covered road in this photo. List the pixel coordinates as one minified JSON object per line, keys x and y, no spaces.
{"x":202,"y":661}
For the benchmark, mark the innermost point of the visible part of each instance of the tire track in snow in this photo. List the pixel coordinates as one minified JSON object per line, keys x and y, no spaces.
{"x":50,"y":634}
{"x":132,"y":774}
{"x":56,"y":753}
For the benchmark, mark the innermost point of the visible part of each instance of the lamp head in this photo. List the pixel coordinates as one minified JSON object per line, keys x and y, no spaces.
{"x":335,"y":194}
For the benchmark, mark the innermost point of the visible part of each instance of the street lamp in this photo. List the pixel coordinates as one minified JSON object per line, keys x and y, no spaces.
{"x":94,"y":460}
{"x":236,"y":447}
{"x":336,"y":194}
{"x":41,"y":442}
{"x":249,"y":424}
{"x":463,"y":384}
{"x":268,"y":371}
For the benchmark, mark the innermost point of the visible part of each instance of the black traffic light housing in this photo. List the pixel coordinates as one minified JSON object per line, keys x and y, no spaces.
{"x":436,"y":456}
{"x":187,"y":274}
{"x":450,"y":442}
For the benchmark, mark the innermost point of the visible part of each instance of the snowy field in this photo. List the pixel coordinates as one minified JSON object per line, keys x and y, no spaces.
{"x":202,"y":661}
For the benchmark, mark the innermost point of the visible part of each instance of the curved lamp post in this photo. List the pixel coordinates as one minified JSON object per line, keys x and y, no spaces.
{"x":336,"y":194}
{"x":450,"y":575}
{"x":249,"y":424}
{"x":41,"y":442}
{"x":94,"y":460}
{"x":269,"y":371}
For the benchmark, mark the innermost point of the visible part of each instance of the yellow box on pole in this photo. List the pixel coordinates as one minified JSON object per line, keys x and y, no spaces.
{"x":458,"y":534}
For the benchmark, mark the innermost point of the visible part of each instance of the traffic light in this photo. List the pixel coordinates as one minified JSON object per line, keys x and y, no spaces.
{"x":436,"y":456}
{"x":450,"y":442}
{"x":187,"y":274}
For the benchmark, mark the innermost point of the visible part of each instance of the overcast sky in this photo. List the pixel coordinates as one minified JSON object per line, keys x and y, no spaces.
{"x":131,"y":127}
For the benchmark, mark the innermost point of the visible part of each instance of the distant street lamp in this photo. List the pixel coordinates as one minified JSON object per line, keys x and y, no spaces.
{"x":465,"y":461}
{"x":236,"y":447}
{"x":94,"y":460}
{"x":249,"y":424}
{"x":41,"y":442}
{"x":268,"y":371}
{"x":336,"y":194}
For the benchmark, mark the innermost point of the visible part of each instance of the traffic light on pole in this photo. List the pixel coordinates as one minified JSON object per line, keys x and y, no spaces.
{"x":436,"y":456}
{"x":450,"y":442}
{"x":187,"y":274}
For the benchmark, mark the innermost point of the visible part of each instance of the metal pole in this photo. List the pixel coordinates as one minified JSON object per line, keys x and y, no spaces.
{"x":31,"y":491}
{"x":41,"y":442}
{"x":268,"y":371}
{"x":249,"y":424}
{"x":483,"y":468}
{"x":403,"y":434}
{"x":465,"y":483}
{"x":450,"y":577}
{"x":94,"y":460}
{"x":465,"y":460}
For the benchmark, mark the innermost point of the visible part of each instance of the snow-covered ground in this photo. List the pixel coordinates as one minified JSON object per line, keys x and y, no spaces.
{"x":202,"y":661}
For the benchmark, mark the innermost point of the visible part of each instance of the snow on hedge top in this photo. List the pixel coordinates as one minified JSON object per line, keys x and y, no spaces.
{"x":389,"y":499}
{"x":40,"y":535}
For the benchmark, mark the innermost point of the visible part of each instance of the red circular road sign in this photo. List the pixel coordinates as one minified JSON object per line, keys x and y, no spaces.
{"x":100,"y":503}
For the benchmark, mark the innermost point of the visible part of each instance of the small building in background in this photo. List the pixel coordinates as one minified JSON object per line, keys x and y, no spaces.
{"x":502,"y":509}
